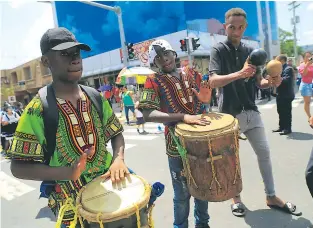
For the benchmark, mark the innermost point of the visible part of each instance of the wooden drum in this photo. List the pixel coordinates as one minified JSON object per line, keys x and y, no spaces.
{"x":115,"y":206}
{"x":212,"y":165}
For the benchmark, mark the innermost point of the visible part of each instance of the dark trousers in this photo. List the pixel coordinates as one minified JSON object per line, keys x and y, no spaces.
{"x":127,"y":108}
{"x":309,"y":174}
{"x":284,"y":109}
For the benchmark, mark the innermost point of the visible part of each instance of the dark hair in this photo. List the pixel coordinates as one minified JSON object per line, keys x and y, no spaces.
{"x":307,"y":52}
{"x":282,"y":57}
{"x":235,"y":12}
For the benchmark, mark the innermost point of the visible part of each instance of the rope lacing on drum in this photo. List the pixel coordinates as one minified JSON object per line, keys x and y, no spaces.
{"x":183,"y":154}
{"x":237,"y":172}
{"x":214,"y":178}
{"x":67,"y":206}
{"x":99,"y":220}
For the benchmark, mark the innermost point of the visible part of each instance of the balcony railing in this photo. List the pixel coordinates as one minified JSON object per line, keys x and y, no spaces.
{"x":20,"y":86}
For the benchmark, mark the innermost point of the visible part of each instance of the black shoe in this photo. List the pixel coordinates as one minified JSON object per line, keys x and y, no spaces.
{"x":285,"y":132}
{"x":277,"y":130}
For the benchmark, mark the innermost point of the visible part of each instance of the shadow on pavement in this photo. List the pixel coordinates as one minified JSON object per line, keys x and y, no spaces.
{"x":300,"y":136}
{"x":268,"y":218}
{"x":46,"y":212}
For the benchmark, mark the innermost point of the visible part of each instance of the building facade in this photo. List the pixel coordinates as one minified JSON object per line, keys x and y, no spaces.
{"x":23,"y":82}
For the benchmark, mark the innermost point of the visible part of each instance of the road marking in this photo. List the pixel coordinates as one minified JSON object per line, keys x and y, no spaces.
{"x":296,"y":103}
{"x":139,"y":137}
{"x":268,"y":105}
{"x":11,"y":188}
{"x":149,"y":130}
{"x":127,"y":146}
{"x":153,"y":125}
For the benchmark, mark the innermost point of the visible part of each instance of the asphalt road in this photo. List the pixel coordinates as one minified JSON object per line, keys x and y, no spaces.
{"x":20,"y":206}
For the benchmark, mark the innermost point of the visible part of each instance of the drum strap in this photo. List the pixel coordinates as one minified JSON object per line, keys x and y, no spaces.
{"x":183,"y":154}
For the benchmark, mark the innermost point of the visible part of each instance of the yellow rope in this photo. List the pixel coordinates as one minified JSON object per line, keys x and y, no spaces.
{"x":237,"y":172}
{"x":188,"y":173}
{"x":138,"y":216}
{"x":150,"y":219}
{"x":99,"y":220}
{"x":67,"y":206}
{"x":214,"y":178}
{"x":80,"y":217}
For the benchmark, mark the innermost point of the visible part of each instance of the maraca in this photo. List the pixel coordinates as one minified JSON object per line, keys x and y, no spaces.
{"x":274,"y":68}
{"x":257,"y":58}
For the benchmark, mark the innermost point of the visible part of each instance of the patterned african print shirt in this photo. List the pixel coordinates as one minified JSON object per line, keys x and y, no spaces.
{"x":169,"y":94}
{"x":77,"y":129}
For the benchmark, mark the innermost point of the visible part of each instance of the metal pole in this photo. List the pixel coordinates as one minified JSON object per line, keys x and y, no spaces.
{"x":269,"y":30}
{"x":261,"y":33}
{"x":295,"y":34}
{"x":118,"y":12}
{"x":189,"y":46}
{"x":294,"y":22}
{"x":122,"y":36}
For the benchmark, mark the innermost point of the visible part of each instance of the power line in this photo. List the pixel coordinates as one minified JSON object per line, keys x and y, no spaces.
{"x":295,"y":19}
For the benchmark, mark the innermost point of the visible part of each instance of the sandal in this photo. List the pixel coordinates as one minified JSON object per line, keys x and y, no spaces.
{"x":238,"y":209}
{"x":288,"y":208}
{"x":310,"y":123}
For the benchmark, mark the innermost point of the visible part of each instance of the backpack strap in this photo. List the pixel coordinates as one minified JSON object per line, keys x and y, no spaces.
{"x":50,"y":119}
{"x":95,"y":97}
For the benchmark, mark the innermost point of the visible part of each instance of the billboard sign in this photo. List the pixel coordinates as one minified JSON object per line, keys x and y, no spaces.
{"x":141,"y":51}
{"x":146,"y":20}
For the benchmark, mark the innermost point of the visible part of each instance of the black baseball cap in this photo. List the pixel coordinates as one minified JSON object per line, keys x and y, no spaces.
{"x":59,"y":39}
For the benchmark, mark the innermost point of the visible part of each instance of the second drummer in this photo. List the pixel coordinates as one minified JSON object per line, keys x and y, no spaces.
{"x":228,"y":69}
{"x":168,"y":98}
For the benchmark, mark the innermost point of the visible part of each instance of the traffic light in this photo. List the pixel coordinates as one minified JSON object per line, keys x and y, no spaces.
{"x":194,"y":43}
{"x":183,"y":45}
{"x":130,"y":49}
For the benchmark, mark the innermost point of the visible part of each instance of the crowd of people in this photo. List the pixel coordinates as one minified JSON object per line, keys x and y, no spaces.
{"x":78,"y":152}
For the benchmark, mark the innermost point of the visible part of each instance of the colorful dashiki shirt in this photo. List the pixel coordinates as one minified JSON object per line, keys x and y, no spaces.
{"x":77,"y":129}
{"x":169,"y":94}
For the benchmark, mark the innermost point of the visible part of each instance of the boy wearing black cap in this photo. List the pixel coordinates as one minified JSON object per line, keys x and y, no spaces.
{"x":80,"y":153}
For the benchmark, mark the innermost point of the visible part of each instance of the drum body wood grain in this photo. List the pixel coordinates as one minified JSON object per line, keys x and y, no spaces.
{"x":213,"y":157}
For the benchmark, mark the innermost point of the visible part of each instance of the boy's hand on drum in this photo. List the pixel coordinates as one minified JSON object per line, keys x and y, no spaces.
{"x":214,"y":116}
{"x":194,"y":119}
{"x":205,"y":92}
{"x":117,"y":171}
{"x":78,"y":167}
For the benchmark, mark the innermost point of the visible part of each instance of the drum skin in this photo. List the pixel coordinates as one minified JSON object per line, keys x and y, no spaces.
{"x":219,"y":180}
{"x":115,"y":205}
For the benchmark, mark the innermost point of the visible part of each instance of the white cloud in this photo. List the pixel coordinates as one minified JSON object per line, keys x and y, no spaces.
{"x":17,"y":3}
{"x":308,"y":32}
{"x":310,"y":7}
{"x":31,"y":40}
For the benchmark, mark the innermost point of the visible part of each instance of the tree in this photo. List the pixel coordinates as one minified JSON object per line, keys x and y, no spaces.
{"x":286,"y":43}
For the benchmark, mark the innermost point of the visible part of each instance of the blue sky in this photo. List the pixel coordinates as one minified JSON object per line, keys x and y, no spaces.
{"x":22,"y":23}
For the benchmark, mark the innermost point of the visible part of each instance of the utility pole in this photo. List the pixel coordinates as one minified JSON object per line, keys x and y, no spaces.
{"x":118,"y":12}
{"x":189,"y":47}
{"x":294,"y":21}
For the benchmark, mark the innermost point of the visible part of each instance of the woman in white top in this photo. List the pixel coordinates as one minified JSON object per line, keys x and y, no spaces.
{"x":9,"y":123}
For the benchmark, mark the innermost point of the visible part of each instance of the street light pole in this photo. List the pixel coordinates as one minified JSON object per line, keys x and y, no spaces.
{"x":294,"y":22}
{"x":118,"y":12}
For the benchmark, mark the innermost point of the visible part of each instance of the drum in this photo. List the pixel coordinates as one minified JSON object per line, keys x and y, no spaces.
{"x":211,"y":164}
{"x":113,"y":206}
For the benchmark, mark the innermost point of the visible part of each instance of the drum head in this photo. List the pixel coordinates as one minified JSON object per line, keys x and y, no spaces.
{"x":101,"y":196}
{"x":219,"y":122}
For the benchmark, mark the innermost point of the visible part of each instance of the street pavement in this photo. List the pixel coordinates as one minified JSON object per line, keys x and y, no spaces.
{"x":145,"y":154}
